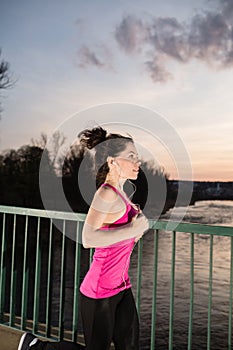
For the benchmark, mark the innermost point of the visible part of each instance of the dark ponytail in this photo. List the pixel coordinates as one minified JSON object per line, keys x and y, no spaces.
{"x":91,"y":138}
{"x":104,"y":147}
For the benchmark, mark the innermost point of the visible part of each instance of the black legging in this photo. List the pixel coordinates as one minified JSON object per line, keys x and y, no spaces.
{"x":110,"y":319}
{"x":105,"y":320}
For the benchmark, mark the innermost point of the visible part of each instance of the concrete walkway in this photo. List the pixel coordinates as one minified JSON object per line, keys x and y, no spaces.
{"x":9,"y":338}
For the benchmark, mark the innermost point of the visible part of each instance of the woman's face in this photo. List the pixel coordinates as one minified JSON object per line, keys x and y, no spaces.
{"x":127,"y":162}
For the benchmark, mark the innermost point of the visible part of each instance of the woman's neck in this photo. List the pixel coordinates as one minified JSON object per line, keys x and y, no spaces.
{"x":119,"y":183}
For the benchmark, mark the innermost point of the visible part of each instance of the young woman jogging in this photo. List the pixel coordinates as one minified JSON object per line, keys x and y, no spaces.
{"x":113,"y":226}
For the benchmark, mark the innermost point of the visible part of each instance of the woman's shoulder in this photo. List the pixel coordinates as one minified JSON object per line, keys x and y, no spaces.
{"x":106,"y":192}
{"x":105,"y":198}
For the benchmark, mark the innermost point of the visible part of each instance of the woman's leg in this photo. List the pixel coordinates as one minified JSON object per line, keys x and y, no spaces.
{"x":98,"y":322}
{"x":126,"y":330}
{"x":98,"y":318}
{"x":104,"y":320}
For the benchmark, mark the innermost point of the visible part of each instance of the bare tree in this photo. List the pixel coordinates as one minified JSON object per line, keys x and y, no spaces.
{"x":55,"y":144}
{"x":58,"y":141}
{"x":41,"y":142}
{"x":6,"y":80}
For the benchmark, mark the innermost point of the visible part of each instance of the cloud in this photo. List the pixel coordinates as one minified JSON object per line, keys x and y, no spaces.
{"x":88,"y":57}
{"x":227,"y":8}
{"x":130,"y":34}
{"x":157,"y":70}
{"x":207,"y":37}
{"x":168,"y":37}
{"x":211,"y":40}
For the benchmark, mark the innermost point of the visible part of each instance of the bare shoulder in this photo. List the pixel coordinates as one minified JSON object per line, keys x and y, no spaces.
{"x":106,"y":200}
{"x":106,"y":193}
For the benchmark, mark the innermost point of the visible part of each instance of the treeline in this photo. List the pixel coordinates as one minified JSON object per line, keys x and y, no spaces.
{"x":21,"y":169}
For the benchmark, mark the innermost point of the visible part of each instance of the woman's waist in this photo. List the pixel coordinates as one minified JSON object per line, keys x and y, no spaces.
{"x":108,"y":271}
{"x":126,"y":244}
{"x":111,"y":261}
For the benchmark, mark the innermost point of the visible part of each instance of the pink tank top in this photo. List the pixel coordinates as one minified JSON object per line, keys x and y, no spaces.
{"x":108,"y":273}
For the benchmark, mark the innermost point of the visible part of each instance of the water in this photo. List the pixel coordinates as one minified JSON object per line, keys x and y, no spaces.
{"x":208,"y":212}
{"x":204,"y":212}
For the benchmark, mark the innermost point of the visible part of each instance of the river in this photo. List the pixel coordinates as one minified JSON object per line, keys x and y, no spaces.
{"x":204,"y":212}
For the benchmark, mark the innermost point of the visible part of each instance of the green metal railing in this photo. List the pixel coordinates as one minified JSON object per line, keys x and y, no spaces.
{"x":16,"y":271}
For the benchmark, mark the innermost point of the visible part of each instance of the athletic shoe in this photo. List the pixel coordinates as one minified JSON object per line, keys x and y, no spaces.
{"x":27,"y":341}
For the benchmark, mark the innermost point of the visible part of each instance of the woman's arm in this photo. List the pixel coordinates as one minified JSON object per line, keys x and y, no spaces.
{"x":107,"y":203}
{"x":94,"y":238}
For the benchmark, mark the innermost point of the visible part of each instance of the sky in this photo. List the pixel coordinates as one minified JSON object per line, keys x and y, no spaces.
{"x":172,"y":58}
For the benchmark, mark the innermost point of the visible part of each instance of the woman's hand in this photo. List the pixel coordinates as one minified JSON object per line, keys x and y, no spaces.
{"x":141,"y":224}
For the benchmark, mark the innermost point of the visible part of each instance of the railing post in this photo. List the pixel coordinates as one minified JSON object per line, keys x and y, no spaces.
{"x":3,"y":269}
{"x":62,"y":284}
{"x":91,"y":253}
{"x":49,"y":281}
{"x":210,"y":293}
{"x":191,"y":291}
{"x":154,"y":297}
{"x":13,"y":277}
{"x":172,"y":289}
{"x":76,"y":281}
{"x":139,"y":275}
{"x":25,"y":278}
{"x":37,"y":280}
{"x":230,"y":301}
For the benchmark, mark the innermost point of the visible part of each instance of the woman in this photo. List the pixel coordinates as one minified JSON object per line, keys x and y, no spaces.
{"x":113,"y":225}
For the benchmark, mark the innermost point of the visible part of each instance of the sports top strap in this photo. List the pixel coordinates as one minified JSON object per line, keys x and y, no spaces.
{"x":117,"y":191}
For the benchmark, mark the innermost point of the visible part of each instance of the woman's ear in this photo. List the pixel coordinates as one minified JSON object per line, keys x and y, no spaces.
{"x":111,"y":160}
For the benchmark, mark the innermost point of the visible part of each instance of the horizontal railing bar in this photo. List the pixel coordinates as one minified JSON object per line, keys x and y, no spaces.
{"x":192,"y":228}
{"x":43,"y":213}
{"x":157,"y":225}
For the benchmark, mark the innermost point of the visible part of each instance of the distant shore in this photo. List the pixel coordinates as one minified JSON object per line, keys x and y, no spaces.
{"x":202,"y":190}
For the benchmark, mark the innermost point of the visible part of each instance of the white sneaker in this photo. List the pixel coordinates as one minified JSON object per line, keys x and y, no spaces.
{"x":27,"y":341}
